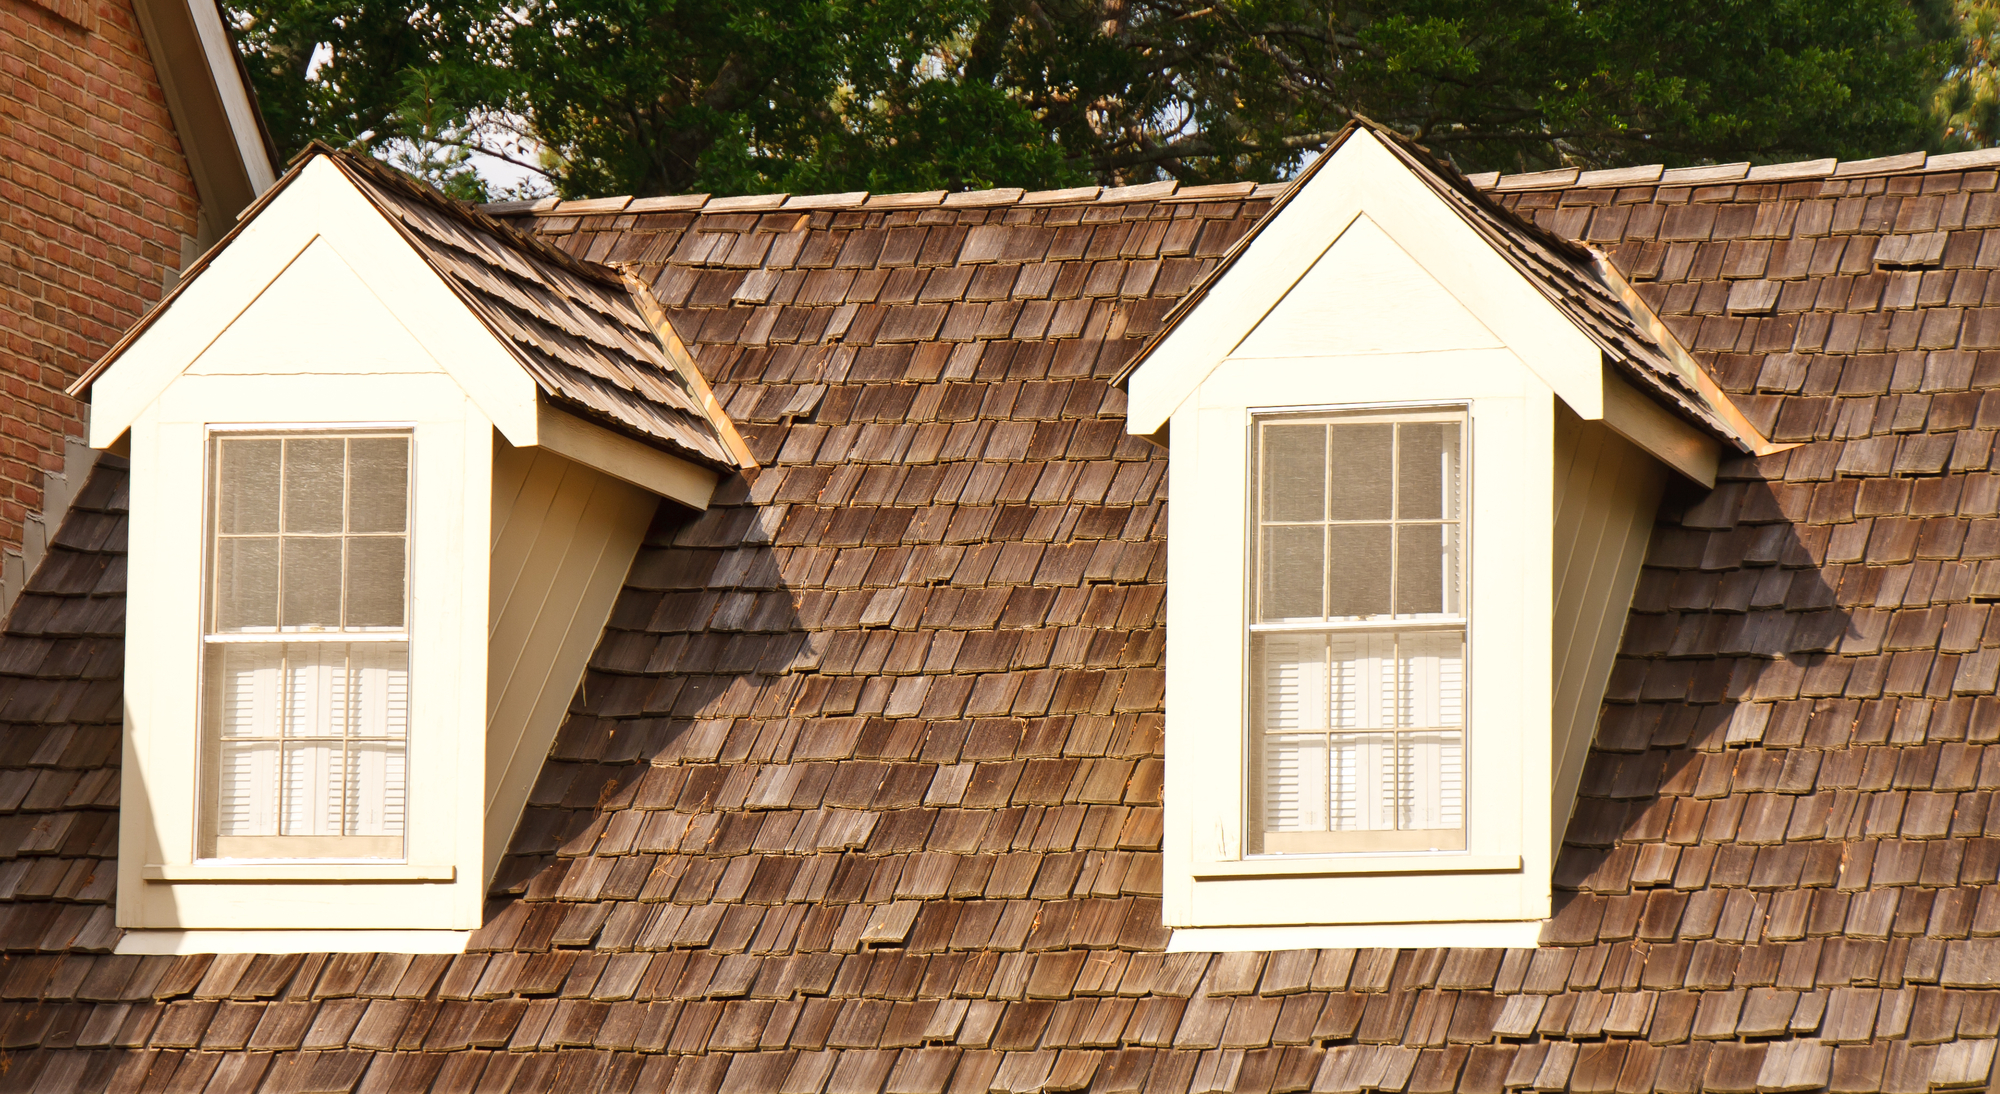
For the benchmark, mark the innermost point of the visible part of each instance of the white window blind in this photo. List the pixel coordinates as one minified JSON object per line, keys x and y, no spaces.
{"x":306,"y":672}
{"x":1358,"y":636}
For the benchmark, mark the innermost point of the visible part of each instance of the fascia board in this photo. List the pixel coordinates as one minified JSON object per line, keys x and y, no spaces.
{"x":1664,"y":436}
{"x":237,"y":105}
{"x":320,"y":204}
{"x":1365,"y":178}
{"x":215,"y":114}
{"x":627,"y":460}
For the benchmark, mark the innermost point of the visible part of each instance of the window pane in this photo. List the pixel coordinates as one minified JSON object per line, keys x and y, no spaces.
{"x":381,"y":690}
{"x":314,"y":779}
{"x":378,"y":495}
{"x":1294,"y":472}
{"x":375,"y":789}
{"x":1294,"y":562}
{"x":375,"y":582}
{"x":1363,"y":778}
{"x":246,"y":683}
{"x":1362,"y":681}
{"x":1291,"y":670}
{"x":1426,"y":568}
{"x":1361,"y":472}
{"x":1430,"y":672}
{"x":246,"y":486}
{"x":247,"y":790}
{"x":1431,"y":780}
{"x":314,"y":470}
{"x":1295,"y":794}
{"x":312,"y":582}
{"x":1428,"y":471}
{"x":315,"y":690}
{"x":246,"y":584}
{"x":1358,"y":570}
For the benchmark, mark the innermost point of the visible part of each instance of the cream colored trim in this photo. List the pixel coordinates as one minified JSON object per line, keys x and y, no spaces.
{"x":1690,"y":371}
{"x":1207,"y":881}
{"x":623,"y":458}
{"x":1504,"y":934}
{"x":180,"y":942}
{"x":234,"y":96}
{"x":1366,"y":178}
{"x":300,"y":871}
{"x":213,"y":114}
{"x":1318,"y":866}
{"x":1647,"y":424}
{"x":319,"y":205}
{"x":682,"y":362}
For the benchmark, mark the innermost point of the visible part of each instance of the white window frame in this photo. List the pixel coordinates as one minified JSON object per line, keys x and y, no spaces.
{"x":1331,"y":627}
{"x":1494,"y":891}
{"x":436,"y":888}
{"x":284,"y":848}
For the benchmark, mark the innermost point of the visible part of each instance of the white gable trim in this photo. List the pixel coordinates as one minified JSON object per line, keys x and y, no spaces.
{"x":1408,"y":310}
{"x":625,"y":459}
{"x":1365,"y":178}
{"x":320,"y":203}
{"x":1666,"y":438}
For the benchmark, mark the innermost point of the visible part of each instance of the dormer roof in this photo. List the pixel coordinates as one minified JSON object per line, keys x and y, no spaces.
{"x":576,"y":327}
{"x":1572,"y":276}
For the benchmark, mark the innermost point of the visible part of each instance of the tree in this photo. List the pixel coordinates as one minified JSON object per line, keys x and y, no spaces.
{"x":373,"y":75}
{"x":733,"y":96}
{"x":1541,"y":83}
{"x":1967,"y":103}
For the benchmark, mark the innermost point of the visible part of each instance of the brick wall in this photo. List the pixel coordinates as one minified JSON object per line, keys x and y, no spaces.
{"x":95,"y":197}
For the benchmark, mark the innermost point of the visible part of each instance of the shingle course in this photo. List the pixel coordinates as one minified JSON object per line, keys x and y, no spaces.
{"x":863,"y":790}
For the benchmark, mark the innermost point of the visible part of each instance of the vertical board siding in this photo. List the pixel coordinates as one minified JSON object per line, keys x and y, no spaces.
{"x":564,"y":537}
{"x":1607,"y":492}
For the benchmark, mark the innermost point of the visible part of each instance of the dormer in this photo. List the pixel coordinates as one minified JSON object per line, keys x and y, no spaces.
{"x":390,"y":465}
{"x":1416,"y":446}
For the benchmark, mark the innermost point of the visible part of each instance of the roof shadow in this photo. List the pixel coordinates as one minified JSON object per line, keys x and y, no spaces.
{"x":1764,"y":655}
{"x":697,"y":669}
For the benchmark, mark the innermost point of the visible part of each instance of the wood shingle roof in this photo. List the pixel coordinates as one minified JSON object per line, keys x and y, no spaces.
{"x":862,"y":791}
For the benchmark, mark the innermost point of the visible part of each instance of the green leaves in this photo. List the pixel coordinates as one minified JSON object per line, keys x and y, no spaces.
{"x":734,"y":96}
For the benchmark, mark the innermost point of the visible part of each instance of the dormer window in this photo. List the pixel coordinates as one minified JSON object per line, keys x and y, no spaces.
{"x":1357,"y":639}
{"x":351,"y":641}
{"x":1416,"y":452}
{"x":306,"y":673}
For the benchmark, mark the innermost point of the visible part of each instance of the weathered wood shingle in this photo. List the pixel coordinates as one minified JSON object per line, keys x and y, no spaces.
{"x":862,"y":792}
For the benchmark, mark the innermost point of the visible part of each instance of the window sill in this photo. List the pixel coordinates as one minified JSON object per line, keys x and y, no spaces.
{"x":300,"y":871}
{"x":1319,"y":866}
{"x":1499,"y":934}
{"x":152,"y":942}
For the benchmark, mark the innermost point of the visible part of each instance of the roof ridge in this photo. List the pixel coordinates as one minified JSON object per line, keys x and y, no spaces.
{"x":1169,"y":190}
{"x":1563,"y":178}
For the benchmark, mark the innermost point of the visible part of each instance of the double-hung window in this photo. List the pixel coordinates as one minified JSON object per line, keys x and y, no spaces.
{"x":306,"y":691}
{"x":1358,"y":633}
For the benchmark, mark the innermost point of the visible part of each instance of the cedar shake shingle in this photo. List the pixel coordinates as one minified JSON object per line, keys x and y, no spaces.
{"x":862,"y":791}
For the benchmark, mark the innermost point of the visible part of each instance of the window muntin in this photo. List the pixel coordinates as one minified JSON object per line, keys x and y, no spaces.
{"x":1357,"y":638}
{"x":306,"y":659}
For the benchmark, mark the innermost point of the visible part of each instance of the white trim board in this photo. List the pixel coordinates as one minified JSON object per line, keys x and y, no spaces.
{"x":1365,"y":178}
{"x":320,"y":206}
{"x":183,"y":942}
{"x":1503,"y":934}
